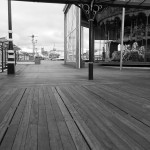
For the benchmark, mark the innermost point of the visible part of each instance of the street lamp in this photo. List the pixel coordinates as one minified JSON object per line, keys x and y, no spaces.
{"x":33,"y":43}
{"x":90,"y":11}
{"x":11,"y":56}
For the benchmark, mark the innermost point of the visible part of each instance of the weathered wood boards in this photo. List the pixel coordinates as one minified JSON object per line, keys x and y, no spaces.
{"x":77,"y":117}
{"x":39,"y":120}
{"x":8,"y":108}
{"x":109,"y":123}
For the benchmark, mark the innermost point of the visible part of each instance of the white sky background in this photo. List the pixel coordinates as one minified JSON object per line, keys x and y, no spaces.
{"x":41,"y":19}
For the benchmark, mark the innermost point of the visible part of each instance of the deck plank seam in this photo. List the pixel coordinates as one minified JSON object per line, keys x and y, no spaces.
{"x":44,"y":105}
{"x":20,"y":138}
{"x":114,"y":122}
{"x":2,"y":135}
{"x":55,"y":117}
{"x":93,"y":146}
{"x":138,"y":121}
{"x":72,"y":120}
{"x":116,"y":106}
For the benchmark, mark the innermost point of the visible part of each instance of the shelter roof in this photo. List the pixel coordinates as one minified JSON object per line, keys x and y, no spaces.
{"x":115,"y":3}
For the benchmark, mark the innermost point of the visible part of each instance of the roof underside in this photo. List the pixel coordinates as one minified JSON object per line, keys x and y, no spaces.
{"x":115,"y":3}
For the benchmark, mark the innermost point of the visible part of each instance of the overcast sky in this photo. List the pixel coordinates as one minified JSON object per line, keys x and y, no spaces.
{"x":46,"y":21}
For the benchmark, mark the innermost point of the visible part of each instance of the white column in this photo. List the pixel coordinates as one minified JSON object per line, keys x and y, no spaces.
{"x":122,"y":36}
{"x":65,"y":38}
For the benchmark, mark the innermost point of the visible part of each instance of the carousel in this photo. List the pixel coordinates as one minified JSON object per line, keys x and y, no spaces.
{"x":136,"y":41}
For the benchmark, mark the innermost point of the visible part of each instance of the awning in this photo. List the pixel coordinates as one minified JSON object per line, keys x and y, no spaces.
{"x":115,"y":3}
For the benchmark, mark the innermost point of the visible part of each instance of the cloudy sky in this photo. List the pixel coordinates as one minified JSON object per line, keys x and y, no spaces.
{"x":46,"y":21}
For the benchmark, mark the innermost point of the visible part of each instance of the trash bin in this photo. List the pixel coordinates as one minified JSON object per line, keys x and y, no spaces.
{"x":37,"y":60}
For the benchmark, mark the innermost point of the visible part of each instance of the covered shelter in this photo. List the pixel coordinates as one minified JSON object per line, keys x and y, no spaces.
{"x":88,"y":8}
{"x":3,"y":53}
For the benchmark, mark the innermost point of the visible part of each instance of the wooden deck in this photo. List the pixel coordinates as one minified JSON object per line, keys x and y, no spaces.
{"x":74,"y":114}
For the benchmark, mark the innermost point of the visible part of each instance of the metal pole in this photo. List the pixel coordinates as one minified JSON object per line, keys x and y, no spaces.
{"x":11,"y":62}
{"x":15,"y":58}
{"x":91,"y":47}
{"x":146,"y":37}
{"x":122,"y":36}
{"x":6,"y":48}
{"x":2,"y":58}
{"x":5,"y":56}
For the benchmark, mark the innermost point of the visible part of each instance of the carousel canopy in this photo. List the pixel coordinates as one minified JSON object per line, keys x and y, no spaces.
{"x":115,"y":3}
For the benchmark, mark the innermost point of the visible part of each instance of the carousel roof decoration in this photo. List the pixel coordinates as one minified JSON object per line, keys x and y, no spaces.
{"x":115,"y":3}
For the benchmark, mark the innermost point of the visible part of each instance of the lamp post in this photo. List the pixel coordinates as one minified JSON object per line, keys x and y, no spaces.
{"x":91,"y":10}
{"x":2,"y":56}
{"x":11,"y":57}
{"x":33,"y":44}
{"x":1,"y":47}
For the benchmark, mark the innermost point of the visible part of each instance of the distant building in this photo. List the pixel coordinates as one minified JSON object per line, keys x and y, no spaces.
{"x":56,"y":54}
{"x":43,"y":52}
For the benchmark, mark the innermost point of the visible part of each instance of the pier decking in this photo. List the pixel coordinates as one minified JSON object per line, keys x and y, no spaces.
{"x":54,"y":107}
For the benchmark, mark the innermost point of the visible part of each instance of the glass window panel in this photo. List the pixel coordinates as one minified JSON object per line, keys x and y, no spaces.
{"x":71,"y":34}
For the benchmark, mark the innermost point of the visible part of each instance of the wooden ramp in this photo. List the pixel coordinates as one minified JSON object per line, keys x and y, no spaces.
{"x":81,"y":117}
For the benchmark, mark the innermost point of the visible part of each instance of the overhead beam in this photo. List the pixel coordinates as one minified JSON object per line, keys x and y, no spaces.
{"x":113,"y":3}
{"x":58,"y":1}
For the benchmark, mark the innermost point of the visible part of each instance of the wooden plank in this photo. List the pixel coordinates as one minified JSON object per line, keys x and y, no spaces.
{"x":20,"y":139}
{"x":129,"y":98}
{"x":65,"y":136}
{"x":86,"y":132}
{"x":132,"y":98}
{"x":32,"y":137}
{"x":6,"y":98}
{"x":74,"y":131}
{"x":135,"y":103}
{"x":5,"y":93}
{"x":6,"y":103}
{"x":20,"y":68}
{"x":13,"y":127}
{"x":54,"y":135}
{"x":43,"y":136}
{"x":123,"y":105}
{"x":91,"y":121}
{"x":132,"y":127}
{"x":141,"y":125}
{"x":8,"y":117}
{"x":120,"y":121}
{"x":133,"y":90}
{"x":103,"y":128}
